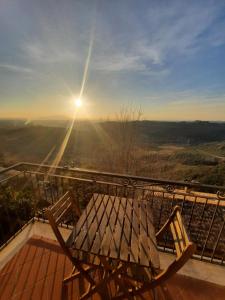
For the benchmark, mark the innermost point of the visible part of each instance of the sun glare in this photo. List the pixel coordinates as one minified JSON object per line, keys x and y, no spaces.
{"x":78,"y":102}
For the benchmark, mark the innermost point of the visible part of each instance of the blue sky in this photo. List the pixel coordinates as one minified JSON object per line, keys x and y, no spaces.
{"x":167,"y":57}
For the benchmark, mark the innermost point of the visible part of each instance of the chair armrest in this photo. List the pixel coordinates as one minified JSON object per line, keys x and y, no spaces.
{"x":167,"y":223}
{"x":164,"y":275}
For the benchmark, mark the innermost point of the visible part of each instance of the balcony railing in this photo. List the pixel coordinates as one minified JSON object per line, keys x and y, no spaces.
{"x":203,"y":206}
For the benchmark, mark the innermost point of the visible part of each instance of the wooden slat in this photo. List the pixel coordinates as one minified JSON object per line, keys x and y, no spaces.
{"x":115,"y":247}
{"x":134,"y":255}
{"x":144,"y":255}
{"x":125,"y":242}
{"x":103,"y":225}
{"x":59,"y":203}
{"x":60,"y":208}
{"x":81,"y":221}
{"x":56,"y":205}
{"x":66,"y":208}
{"x":179,"y":234}
{"x":97,"y":229}
{"x":175,"y":238}
{"x":152,"y":239}
{"x":183,"y":229}
{"x":108,"y":241}
{"x":89,"y":219}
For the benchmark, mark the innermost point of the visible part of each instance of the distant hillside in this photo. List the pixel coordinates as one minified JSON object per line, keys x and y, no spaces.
{"x":6,"y":123}
{"x":34,"y":142}
{"x":170,"y":150}
{"x":28,"y":143}
{"x":150,"y":131}
{"x":190,"y":133}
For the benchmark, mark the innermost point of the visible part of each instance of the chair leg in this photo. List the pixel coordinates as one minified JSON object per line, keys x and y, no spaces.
{"x":75,"y":275}
{"x":123,"y":287}
{"x":71,"y":277}
{"x":106,"y":279}
{"x":155,"y":294}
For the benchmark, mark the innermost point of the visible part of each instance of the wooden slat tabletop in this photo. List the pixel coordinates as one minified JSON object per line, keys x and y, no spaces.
{"x":119,"y":228}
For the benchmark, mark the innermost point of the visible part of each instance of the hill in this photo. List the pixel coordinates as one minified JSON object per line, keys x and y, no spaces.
{"x":172,"y":150}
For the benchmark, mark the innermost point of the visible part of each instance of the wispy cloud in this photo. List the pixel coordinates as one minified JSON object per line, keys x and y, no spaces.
{"x":210,"y":95}
{"x":118,"y":62}
{"x":167,"y":32}
{"x":15,"y":68}
{"x":131,"y":44}
{"x":187,"y":105}
{"x":187,"y":97}
{"x":39,"y":52}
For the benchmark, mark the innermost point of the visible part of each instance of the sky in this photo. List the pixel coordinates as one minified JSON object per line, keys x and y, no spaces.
{"x":166,"y":58}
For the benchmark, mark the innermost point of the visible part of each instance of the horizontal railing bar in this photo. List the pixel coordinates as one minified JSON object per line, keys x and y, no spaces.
{"x":121,"y":176}
{"x":9,"y":178}
{"x":11,"y":168}
{"x":75,"y":178}
{"x":211,"y":201}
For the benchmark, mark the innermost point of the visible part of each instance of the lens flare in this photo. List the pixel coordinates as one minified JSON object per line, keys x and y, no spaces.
{"x":78,"y":102}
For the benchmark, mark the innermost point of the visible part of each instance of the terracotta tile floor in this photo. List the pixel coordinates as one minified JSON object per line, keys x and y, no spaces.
{"x":37,"y":270}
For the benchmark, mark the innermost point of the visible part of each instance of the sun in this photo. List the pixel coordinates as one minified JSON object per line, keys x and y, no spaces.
{"x":78,"y":102}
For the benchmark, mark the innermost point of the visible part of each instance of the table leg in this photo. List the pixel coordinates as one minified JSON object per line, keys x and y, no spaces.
{"x":118,"y":279}
{"x":102,"y":284}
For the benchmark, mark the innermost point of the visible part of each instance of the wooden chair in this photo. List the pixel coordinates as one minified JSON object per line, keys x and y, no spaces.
{"x":184,"y":250}
{"x":55,"y":214}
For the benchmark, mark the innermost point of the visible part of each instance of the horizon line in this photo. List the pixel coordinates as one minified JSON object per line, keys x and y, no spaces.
{"x":102,"y":120}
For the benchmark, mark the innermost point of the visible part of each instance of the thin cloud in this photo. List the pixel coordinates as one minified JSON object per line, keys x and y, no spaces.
{"x":38,"y":52}
{"x":177,"y":30}
{"x":190,"y":97}
{"x":167,"y":32}
{"x":186,"y":97}
{"x":16,"y":68}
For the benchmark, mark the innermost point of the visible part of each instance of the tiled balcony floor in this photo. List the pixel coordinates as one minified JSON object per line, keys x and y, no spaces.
{"x":37,"y":270}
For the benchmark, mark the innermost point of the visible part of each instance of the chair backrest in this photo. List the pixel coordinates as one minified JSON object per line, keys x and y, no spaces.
{"x":184,"y":250}
{"x":56,"y":214}
{"x":184,"y":247}
{"x":179,"y":233}
{"x":61,"y":208}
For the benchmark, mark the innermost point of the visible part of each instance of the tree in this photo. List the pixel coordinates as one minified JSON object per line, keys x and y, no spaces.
{"x":123,"y":150}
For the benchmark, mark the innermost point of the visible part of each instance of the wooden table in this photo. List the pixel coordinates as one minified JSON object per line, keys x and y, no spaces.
{"x":119,"y":229}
